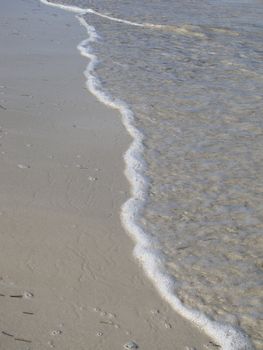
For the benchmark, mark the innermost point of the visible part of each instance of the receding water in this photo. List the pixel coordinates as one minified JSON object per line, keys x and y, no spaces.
{"x":195,"y":84}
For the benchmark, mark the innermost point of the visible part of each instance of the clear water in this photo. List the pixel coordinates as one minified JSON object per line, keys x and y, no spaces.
{"x":195,"y":84}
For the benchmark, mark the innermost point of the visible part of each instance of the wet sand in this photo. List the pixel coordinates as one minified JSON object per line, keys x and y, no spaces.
{"x":68,"y":278}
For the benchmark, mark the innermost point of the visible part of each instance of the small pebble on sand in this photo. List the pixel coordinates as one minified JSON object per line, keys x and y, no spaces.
{"x":130,"y":345}
{"x":28,"y":295}
{"x":23,"y":166}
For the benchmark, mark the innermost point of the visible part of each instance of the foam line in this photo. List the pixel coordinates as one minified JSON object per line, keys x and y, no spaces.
{"x":83,"y":11}
{"x":228,"y":337}
{"x":116,"y":19}
{"x":74,"y":9}
{"x":184,"y":30}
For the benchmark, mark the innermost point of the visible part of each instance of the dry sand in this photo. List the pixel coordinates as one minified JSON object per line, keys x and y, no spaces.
{"x":68,"y":279}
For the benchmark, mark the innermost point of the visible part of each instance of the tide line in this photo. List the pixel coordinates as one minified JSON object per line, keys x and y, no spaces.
{"x":228,"y":337}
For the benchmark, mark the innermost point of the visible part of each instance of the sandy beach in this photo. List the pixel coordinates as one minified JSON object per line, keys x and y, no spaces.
{"x":68,"y":278}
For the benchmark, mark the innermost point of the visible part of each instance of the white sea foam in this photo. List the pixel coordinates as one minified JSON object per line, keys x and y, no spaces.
{"x":152,"y":261}
{"x":185,"y":30}
{"x":74,"y":9}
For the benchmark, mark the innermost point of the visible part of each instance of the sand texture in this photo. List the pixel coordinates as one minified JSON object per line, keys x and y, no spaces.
{"x":68,"y":279}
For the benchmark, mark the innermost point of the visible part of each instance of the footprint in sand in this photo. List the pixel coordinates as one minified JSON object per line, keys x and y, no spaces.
{"x":106,"y":319}
{"x":56,"y":332}
{"x":161,"y":318}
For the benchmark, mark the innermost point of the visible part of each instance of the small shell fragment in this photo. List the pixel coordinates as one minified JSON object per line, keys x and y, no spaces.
{"x":130,"y":345}
{"x":23,"y":166}
{"x":28,"y":295}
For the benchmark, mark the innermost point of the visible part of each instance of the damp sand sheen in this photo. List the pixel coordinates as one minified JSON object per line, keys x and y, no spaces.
{"x":190,"y":173}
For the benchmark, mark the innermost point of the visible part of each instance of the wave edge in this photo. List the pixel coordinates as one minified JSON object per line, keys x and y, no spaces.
{"x":228,"y":337}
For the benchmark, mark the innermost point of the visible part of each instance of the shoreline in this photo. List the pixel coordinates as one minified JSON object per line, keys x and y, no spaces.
{"x":223,"y":334}
{"x":61,"y":194}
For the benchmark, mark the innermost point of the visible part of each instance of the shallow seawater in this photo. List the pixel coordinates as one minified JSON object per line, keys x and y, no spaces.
{"x":195,"y":85}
